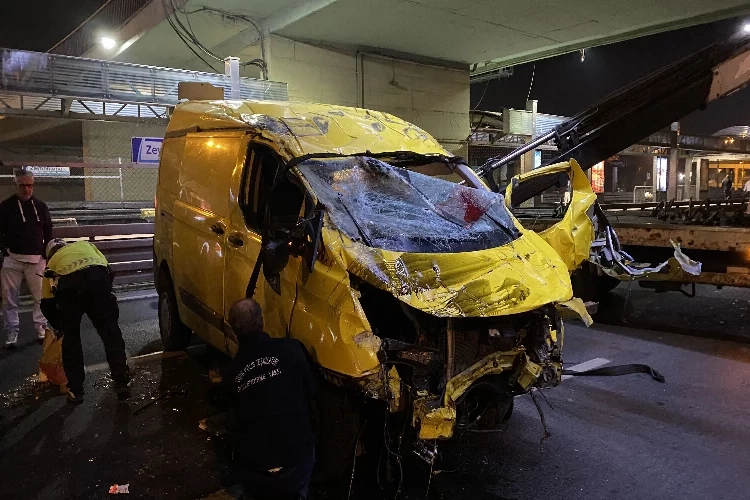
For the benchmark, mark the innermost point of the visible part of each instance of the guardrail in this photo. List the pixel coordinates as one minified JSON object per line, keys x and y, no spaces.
{"x":127,"y":247}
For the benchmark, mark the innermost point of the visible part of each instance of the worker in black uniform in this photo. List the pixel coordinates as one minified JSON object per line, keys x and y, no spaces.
{"x":78,"y":281}
{"x":271,"y":388}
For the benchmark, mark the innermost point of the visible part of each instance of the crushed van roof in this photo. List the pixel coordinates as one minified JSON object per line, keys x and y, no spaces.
{"x":307,"y":128}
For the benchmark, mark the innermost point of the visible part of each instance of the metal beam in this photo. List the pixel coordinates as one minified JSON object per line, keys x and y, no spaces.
{"x":32,"y":113}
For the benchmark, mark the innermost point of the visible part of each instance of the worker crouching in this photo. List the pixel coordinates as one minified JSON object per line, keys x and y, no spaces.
{"x":79,"y":281}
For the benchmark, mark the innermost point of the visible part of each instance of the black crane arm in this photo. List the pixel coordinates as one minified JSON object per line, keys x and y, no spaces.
{"x":646,"y":106}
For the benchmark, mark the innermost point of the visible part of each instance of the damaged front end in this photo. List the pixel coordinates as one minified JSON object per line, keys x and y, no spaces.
{"x":583,"y":232}
{"x":458,"y":303}
{"x":459,"y":373}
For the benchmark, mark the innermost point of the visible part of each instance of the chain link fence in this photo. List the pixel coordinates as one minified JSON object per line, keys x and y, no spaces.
{"x":82,"y":169}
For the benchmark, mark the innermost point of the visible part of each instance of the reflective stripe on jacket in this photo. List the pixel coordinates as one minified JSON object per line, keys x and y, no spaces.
{"x":76,"y":256}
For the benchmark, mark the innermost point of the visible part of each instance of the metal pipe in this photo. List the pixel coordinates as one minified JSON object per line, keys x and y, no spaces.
{"x":516,"y":153}
{"x":450,"y":349}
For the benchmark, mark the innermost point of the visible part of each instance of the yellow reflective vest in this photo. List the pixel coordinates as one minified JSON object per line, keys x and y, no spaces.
{"x":76,"y":256}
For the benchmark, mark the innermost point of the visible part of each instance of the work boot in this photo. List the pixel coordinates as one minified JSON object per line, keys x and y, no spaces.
{"x":75,"y":397}
{"x":123,"y":391}
{"x":10,"y":340}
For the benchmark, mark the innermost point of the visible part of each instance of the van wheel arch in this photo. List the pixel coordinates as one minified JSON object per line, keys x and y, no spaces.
{"x":175,"y":336}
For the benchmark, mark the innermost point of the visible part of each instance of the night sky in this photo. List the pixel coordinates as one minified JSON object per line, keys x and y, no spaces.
{"x":564,"y":85}
{"x":39,"y":24}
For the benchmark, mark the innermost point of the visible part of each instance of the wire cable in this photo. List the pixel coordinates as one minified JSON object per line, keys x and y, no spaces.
{"x":531,"y":84}
{"x":188,"y":35}
{"x":183,"y":38}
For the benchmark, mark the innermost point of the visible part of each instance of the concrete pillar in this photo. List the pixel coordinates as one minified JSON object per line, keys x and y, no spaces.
{"x":703,"y":177}
{"x":614,"y":178}
{"x":673,"y":164}
{"x":433,"y":97}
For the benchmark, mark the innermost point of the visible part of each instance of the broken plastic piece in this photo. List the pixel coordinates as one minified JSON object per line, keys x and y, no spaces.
{"x":119,"y":489}
{"x":216,"y":425}
{"x":214,"y":376}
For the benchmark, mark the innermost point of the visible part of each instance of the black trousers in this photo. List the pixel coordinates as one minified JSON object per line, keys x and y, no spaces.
{"x":290,"y":483}
{"x":96,"y":300}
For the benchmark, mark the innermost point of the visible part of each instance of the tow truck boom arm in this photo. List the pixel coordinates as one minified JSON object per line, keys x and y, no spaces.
{"x":646,"y":106}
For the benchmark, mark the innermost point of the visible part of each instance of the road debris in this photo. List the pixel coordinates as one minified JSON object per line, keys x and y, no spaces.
{"x":163,"y":395}
{"x":216,"y":425}
{"x":214,"y":376}
{"x":119,"y":489}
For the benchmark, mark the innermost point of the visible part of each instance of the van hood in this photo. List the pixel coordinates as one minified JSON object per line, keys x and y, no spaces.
{"x":439,"y":246}
{"x":516,"y":278}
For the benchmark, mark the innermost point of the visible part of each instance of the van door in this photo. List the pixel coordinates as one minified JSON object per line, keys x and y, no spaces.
{"x":246,"y":224}
{"x":201,"y":216}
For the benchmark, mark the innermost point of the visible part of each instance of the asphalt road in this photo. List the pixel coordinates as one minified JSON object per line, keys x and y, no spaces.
{"x":137,"y":321}
{"x":714,"y":313}
{"x":615,"y":437}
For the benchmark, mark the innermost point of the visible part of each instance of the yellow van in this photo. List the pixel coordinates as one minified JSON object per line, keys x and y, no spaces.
{"x":406,"y":278}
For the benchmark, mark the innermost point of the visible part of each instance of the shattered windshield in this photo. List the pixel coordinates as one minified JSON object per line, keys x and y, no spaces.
{"x":395,"y":209}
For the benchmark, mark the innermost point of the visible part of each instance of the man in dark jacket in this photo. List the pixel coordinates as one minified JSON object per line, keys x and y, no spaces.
{"x":271,"y":388}
{"x":25,"y":229}
{"x":83,"y":285}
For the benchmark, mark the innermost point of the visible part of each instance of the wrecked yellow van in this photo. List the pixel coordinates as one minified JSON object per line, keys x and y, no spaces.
{"x":408,"y":280}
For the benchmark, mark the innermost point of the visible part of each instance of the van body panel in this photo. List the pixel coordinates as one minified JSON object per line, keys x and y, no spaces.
{"x":301,"y":128}
{"x":397,"y":326}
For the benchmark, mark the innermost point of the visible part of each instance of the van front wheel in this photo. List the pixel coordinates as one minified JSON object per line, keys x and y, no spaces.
{"x":175,"y":336}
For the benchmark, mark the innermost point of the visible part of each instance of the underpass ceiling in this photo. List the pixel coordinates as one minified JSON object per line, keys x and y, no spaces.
{"x":466,"y":31}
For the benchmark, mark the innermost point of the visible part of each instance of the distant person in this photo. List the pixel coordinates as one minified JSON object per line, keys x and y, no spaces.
{"x":25,"y":229}
{"x":83,"y":285}
{"x":271,"y":388}
{"x":747,"y":188}
{"x":726,"y":186}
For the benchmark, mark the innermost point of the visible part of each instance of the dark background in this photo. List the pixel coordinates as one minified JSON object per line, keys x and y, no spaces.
{"x":564,"y":85}
{"x":39,"y":24}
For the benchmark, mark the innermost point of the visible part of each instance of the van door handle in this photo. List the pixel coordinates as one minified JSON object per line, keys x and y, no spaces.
{"x":235,"y":240}
{"x":216,"y":228}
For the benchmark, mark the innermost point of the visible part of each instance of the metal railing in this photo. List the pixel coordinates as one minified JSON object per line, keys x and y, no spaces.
{"x":127,"y":247}
{"x":109,"y":17}
{"x":34,"y":73}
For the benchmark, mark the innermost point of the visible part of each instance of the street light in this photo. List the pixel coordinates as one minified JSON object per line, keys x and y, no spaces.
{"x":108,"y":42}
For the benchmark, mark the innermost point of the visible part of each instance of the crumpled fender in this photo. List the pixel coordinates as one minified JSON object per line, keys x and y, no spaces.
{"x":573,"y":235}
{"x":515,"y":278}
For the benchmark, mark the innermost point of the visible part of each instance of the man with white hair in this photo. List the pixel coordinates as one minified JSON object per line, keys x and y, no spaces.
{"x":25,"y":229}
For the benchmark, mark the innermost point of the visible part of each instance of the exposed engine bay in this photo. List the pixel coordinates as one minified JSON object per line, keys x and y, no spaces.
{"x":461,"y":373}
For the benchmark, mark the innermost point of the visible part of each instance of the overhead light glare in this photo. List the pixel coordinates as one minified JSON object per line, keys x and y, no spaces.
{"x":108,"y":42}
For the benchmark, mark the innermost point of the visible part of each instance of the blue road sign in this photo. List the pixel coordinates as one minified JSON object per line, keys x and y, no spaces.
{"x":145,"y":149}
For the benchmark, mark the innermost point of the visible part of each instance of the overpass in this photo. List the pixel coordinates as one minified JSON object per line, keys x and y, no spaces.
{"x":412,"y":58}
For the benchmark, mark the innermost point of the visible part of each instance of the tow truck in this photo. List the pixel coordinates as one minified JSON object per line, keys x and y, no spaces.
{"x":716,"y":234}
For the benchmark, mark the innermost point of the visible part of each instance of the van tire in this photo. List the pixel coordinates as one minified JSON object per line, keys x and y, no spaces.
{"x":175,"y":336}
{"x":336,"y":422}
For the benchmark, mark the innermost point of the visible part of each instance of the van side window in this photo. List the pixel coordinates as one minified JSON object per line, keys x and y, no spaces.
{"x":261,"y":169}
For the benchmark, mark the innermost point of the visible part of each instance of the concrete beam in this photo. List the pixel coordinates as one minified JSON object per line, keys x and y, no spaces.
{"x":269,"y":25}
{"x":22,"y":132}
{"x":620,"y":36}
